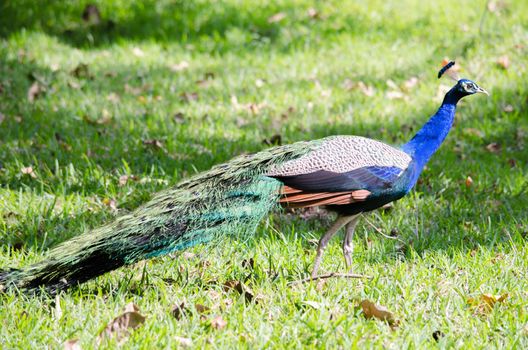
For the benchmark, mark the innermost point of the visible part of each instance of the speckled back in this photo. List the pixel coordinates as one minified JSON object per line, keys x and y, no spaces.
{"x":342,"y":154}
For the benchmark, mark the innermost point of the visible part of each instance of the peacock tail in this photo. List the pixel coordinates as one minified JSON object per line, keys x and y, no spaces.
{"x":229,"y":198}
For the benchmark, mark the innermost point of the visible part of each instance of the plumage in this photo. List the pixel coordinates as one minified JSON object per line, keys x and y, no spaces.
{"x":347,"y":174}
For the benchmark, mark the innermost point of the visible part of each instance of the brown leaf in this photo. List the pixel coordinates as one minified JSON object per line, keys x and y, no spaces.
{"x":508,"y":108}
{"x":81,"y":71}
{"x":178,"y":311}
{"x":35,"y":91}
{"x":218,"y":322}
{"x":241,"y":288}
{"x":202,"y":309}
{"x":494,"y":147}
{"x":188,"y":96}
{"x":91,"y":14}
{"x":371,"y":310}
{"x":277,"y":17}
{"x":469,"y":181}
{"x":503,"y":62}
{"x":119,"y":328}
{"x":28,"y":171}
{"x":72,"y":344}
{"x":485,"y":302}
{"x":154,"y":143}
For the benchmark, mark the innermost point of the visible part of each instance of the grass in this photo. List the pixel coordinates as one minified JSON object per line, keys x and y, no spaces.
{"x":113,"y":85}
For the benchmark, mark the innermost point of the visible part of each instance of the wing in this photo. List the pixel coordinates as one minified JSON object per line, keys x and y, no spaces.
{"x":344,"y":170}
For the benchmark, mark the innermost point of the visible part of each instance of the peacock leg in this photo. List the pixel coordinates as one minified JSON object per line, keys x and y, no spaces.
{"x":348,"y":246}
{"x":340,"y":222}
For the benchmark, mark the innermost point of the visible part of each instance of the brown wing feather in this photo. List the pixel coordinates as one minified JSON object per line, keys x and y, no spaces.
{"x":295,"y":198}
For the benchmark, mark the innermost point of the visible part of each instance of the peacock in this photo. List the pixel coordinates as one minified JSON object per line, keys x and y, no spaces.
{"x":348,"y":175}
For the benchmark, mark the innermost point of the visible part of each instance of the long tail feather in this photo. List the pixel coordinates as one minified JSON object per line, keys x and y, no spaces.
{"x":229,"y":198}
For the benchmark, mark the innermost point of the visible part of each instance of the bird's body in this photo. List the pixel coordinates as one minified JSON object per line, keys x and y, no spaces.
{"x":347,"y":174}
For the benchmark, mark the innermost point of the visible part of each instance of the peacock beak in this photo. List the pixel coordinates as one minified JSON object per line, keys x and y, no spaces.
{"x":482,"y":91}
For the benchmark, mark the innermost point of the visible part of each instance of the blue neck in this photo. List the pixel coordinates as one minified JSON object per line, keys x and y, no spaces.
{"x":429,"y":138}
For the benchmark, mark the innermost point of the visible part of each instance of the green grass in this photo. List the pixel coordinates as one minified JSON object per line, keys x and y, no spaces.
{"x":460,"y":241}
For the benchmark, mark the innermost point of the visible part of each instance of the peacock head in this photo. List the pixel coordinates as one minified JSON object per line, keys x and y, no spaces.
{"x":463,"y":87}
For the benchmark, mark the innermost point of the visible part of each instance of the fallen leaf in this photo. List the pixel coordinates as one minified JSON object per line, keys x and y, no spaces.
{"x":113,"y":97}
{"x":72,"y":344}
{"x":494,"y":147}
{"x":81,"y":71}
{"x":218,"y":322}
{"x":277,"y":17}
{"x":178,"y":67}
{"x":28,"y":171}
{"x":178,"y":311}
{"x":512,"y":163}
{"x":474,"y":132}
{"x":241,"y":288}
{"x":202,"y":309}
{"x":469,"y":181}
{"x":154,"y":143}
{"x":18,"y":119}
{"x":186,"y":342}
{"x":91,"y":14}
{"x":188,"y":96}
{"x":410,"y":83}
{"x":35,"y":91}
{"x":119,"y":328}
{"x":367,"y":90}
{"x":508,"y":108}
{"x":503,"y":62}
{"x":371,"y":310}
{"x":485,"y":302}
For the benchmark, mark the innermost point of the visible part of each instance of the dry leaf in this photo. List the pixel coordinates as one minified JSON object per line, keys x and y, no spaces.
{"x":35,"y":91}
{"x":469,"y":181}
{"x":474,"y":132}
{"x":178,"y":311}
{"x":485,"y":303}
{"x":241,"y":288}
{"x":186,"y":342}
{"x":410,"y":83}
{"x":113,"y":97}
{"x":218,"y":322}
{"x":154,"y":143}
{"x":277,"y":17}
{"x":123,"y":179}
{"x":72,"y":344}
{"x":81,"y":71}
{"x":202,"y":309}
{"x":28,"y":171}
{"x":119,"y":328}
{"x":371,"y":309}
{"x":508,"y":108}
{"x":494,"y":147}
{"x":188,"y":96}
{"x":367,"y":90}
{"x":503,"y":62}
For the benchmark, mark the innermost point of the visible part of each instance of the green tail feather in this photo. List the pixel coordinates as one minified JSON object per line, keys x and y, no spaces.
{"x":230,"y":198}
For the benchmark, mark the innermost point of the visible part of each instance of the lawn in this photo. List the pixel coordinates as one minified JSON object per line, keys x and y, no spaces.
{"x":97,"y":115}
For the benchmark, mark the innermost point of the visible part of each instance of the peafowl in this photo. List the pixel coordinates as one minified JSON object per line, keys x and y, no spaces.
{"x":347,"y":174}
